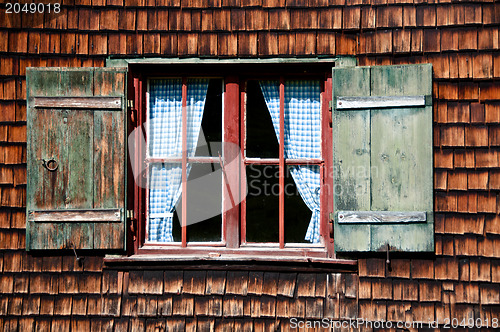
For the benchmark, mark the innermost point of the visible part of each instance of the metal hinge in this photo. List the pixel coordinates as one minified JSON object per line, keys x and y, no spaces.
{"x":331,"y":217}
{"x":130,"y":103}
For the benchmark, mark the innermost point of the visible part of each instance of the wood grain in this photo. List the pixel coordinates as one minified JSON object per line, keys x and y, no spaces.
{"x":110,"y":215}
{"x":344,"y":103}
{"x":368,"y":217}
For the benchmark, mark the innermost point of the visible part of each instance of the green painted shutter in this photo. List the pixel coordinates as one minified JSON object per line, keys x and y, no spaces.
{"x":382,"y":145}
{"x":76,"y":158}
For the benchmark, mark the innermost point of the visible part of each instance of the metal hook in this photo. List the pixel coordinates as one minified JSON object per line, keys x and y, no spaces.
{"x":388,"y":261}
{"x":47,"y":164}
{"x":78,"y":259}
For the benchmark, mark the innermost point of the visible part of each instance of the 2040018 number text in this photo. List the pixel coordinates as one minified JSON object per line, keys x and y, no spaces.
{"x":32,"y":8}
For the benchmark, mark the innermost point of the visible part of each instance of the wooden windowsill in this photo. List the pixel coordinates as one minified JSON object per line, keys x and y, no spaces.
{"x":218,"y":260}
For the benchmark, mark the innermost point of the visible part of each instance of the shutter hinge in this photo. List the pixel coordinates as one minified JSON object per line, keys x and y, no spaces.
{"x":331,"y":217}
{"x":330,"y":105}
{"x":130,"y":103}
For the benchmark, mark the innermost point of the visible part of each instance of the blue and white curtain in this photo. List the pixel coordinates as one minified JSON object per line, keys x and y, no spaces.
{"x":165,"y":140}
{"x":302,"y":138}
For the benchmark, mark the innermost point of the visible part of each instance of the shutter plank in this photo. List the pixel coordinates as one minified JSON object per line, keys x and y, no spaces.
{"x":407,"y":238}
{"x":351,"y":156}
{"x":76,"y":83}
{"x":400,"y":151}
{"x":109,"y":135}
{"x":109,"y":83}
{"x":48,"y":84}
{"x":47,"y":131}
{"x":388,"y":151}
{"x":80,"y":181}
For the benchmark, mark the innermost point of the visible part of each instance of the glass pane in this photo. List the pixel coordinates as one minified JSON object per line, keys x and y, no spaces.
{"x":176,"y":228}
{"x":211,"y":125}
{"x":262,"y":224}
{"x":302,"y":119}
{"x":261,"y":139}
{"x":297,"y":214}
{"x":204,"y":203}
{"x":164,"y":190}
{"x":165,"y":117}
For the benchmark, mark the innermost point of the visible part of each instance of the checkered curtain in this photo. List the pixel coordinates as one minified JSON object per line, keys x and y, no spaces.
{"x":302,"y":138}
{"x":165,"y":140}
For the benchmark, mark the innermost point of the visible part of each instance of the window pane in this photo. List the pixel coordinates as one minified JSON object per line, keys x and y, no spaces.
{"x":302,"y":119}
{"x":164,"y":191}
{"x":204,"y":203}
{"x":261,"y":139}
{"x":297,"y":214}
{"x":165,"y":117}
{"x":211,"y":125}
{"x":176,"y":228}
{"x":262,"y":203}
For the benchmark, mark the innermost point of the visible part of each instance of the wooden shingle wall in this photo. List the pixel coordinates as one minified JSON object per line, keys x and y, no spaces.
{"x":460,"y":39}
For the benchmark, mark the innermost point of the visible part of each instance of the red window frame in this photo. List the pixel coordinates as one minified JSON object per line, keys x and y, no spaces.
{"x":233,"y":232}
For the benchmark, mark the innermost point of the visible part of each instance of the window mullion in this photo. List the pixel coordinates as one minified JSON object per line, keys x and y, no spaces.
{"x":184,"y":161}
{"x":231,"y":213}
{"x":243,"y":183}
{"x":282,"y":166}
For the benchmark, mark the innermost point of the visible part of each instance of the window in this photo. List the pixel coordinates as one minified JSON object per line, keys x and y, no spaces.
{"x":196,"y":176}
{"x":284,"y":179}
{"x":283,"y":169}
{"x":178,"y":152}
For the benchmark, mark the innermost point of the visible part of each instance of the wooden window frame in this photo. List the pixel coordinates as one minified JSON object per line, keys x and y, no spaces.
{"x":233,"y":219}
{"x":282,"y":163}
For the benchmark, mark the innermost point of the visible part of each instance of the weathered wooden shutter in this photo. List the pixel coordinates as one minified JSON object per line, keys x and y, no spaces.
{"x":382,"y":145}
{"x":76,"y":158}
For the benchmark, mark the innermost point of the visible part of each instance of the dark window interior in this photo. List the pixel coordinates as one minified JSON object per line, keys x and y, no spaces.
{"x":211,"y":124}
{"x":262,"y":203}
{"x":204,"y":218}
{"x":297,"y":214}
{"x":261,"y":138}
